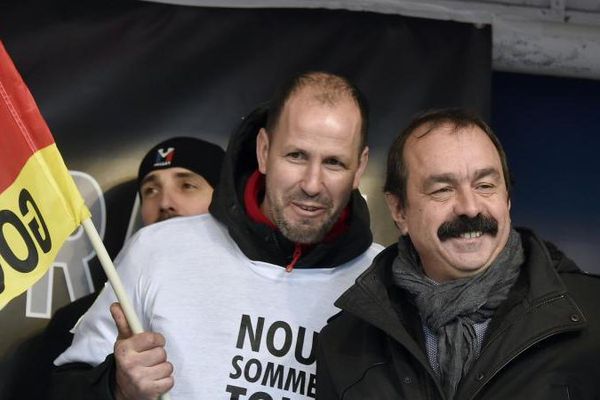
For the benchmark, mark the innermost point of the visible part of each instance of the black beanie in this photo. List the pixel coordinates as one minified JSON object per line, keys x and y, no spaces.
{"x":195,"y":154}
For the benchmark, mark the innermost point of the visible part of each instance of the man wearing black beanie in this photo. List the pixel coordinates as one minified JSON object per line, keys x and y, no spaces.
{"x":177,"y":178}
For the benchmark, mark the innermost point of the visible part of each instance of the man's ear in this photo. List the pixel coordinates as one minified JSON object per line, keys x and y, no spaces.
{"x":397,"y":212}
{"x":362,"y":166}
{"x":262,"y":150}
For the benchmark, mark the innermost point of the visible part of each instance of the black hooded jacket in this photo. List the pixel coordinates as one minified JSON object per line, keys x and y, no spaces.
{"x":258,"y":242}
{"x":542,"y":343}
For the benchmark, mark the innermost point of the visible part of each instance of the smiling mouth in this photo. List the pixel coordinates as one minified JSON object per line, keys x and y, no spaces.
{"x":309,"y":210}
{"x":471,"y":235}
{"x":463,"y":227}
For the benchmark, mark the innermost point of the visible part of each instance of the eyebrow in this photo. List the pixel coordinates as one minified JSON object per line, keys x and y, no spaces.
{"x":452,"y":178}
{"x":152,"y":178}
{"x":485,"y":172}
{"x":148,"y":178}
{"x":185,"y":174}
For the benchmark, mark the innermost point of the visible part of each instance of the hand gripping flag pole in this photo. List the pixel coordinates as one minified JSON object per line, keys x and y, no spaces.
{"x":40,"y":205}
{"x":115,"y":281}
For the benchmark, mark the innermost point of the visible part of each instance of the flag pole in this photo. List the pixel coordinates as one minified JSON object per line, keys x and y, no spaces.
{"x":115,"y":281}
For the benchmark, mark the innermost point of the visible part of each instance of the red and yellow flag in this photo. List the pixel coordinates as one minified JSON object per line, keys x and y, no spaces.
{"x":40,"y":205}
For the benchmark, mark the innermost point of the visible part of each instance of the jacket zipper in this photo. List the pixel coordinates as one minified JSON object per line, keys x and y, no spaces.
{"x":295,"y":257}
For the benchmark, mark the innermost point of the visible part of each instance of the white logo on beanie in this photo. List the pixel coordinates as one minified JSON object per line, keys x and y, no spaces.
{"x":164,"y":157}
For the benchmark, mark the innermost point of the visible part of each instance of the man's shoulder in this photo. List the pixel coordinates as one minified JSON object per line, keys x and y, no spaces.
{"x":176,"y":237}
{"x":584,"y":290}
{"x":580,"y":279}
{"x":180,"y":229}
{"x":364,"y":260}
{"x":344,"y":330}
{"x":559,"y":261}
{"x":373,"y":250}
{"x":179,"y":223}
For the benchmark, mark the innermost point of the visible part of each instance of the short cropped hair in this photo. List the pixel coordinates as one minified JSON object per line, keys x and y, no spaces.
{"x":397,"y":173}
{"x":329,"y":88}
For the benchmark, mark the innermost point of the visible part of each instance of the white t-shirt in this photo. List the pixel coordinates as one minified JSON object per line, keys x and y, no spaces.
{"x":234,"y":328}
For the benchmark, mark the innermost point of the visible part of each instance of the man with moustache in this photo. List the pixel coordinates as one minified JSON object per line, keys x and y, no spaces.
{"x":239,"y":295}
{"x":464,"y":306}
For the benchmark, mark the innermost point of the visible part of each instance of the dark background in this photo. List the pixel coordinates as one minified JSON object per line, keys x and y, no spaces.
{"x":112,"y":78}
{"x":550,"y":128}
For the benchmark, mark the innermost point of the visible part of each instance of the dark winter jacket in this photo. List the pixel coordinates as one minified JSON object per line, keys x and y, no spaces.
{"x":257,"y":241}
{"x":542,"y":343}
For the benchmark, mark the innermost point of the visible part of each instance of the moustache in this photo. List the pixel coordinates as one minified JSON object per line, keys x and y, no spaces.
{"x":319,"y":199}
{"x":463,"y":224}
{"x":165,"y":215}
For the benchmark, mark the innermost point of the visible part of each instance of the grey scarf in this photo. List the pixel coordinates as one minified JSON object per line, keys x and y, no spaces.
{"x":451,"y":308}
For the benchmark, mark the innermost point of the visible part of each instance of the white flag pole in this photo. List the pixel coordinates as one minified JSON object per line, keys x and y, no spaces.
{"x":115,"y":281}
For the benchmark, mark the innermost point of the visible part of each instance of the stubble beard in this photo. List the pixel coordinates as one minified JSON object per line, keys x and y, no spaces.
{"x":306,"y":230}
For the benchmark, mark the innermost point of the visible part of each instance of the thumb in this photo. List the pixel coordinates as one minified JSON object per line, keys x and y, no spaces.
{"x":120,"y":320}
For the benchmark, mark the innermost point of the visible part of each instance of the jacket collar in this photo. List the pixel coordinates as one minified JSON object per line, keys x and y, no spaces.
{"x":371,"y":293}
{"x":254,"y":193}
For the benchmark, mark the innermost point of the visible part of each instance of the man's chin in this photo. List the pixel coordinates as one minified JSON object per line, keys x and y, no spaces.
{"x":300,"y":232}
{"x":304,"y":237}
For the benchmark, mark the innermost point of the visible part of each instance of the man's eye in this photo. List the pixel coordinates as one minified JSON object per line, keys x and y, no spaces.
{"x":441,"y":193}
{"x":442,"y":190}
{"x":486,"y":186}
{"x":188,"y":186}
{"x":295,"y":155}
{"x":149,"y":191}
{"x":334,"y":162}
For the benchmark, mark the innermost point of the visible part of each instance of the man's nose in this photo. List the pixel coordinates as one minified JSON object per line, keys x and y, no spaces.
{"x":312,"y":180}
{"x":166,"y":201}
{"x":467,"y":203}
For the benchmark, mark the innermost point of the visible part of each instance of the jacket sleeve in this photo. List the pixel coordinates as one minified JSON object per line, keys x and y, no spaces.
{"x":325,"y":388}
{"x":80,"y":381}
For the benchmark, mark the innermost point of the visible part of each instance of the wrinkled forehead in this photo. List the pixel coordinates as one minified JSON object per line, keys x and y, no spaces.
{"x":440,"y":128}
{"x":429,"y":133}
{"x":445,"y":143}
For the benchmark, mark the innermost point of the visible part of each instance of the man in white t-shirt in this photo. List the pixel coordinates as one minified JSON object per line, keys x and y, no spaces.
{"x":239,"y":295}
{"x":176,"y":177}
